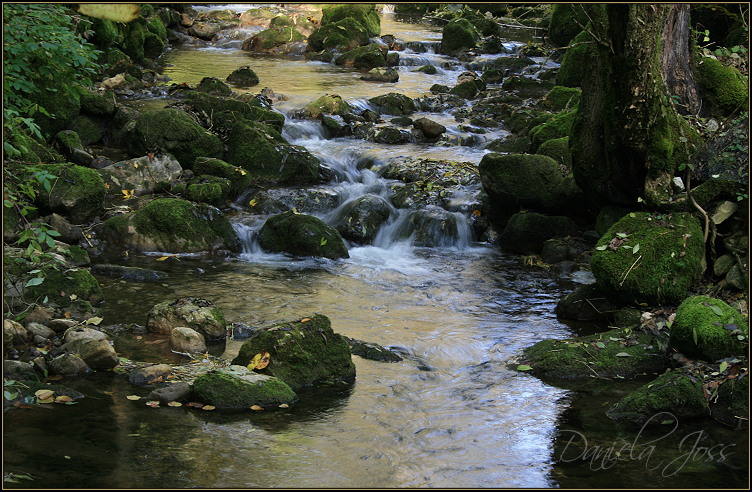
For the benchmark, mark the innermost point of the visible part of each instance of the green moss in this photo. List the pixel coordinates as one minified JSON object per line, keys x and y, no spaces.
{"x":165,"y":219}
{"x":105,"y":33}
{"x":697,"y":318}
{"x":344,"y":35}
{"x":208,"y":189}
{"x":98,"y":104}
{"x":574,"y":62}
{"x":301,"y":235}
{"x":231,"y":393}
{"x":276,"y":36}
{"x":557,"y":127}
{"x":210,"y":104}
{"x":133,"y":35}
{"x":117,"y":224}
{"x":394,"y":103}
{"x":58,"y":286}
{"x":153,"y":46}
{"x":68,"y":140}
{"x":302,"y":353}
{"x":673,"y":392}
{"x":327,"y":104}
{"x":566,"y":22}
{"x":239,"y":178}
{"x":457,"y":35}
{"x":664,"y":266}
{"x":723,"y":86}
{"x":583,"y":357}
{"x":558,"y":150}
{"x":365,"y":14}
{"x":364,"y":57}
{"x":156,"y":26}
{"x":78,"y":193}
{"x":560,"y":98}
{"x":87,"y":129}
{"x":214,"y":86}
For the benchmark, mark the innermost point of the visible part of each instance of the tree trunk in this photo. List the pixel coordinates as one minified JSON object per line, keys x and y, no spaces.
{"x":627,"y":139}
{"x":675,"y":60}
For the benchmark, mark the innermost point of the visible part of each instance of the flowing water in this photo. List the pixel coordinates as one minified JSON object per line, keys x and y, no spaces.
{"x":450,"y":415}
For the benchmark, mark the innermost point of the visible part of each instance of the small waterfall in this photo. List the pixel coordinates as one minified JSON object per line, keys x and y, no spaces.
{"x":431,"y":227}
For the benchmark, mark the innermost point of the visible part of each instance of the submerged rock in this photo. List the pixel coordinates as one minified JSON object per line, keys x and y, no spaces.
{"x":302,"y":353}
{"x":128,"y":273}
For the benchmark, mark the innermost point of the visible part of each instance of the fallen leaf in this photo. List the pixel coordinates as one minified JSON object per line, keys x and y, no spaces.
{"x":305,"y":319}
{"x":259,"y":361}
{"x":523,"y":367}
{"x":284,"y":405}
{"x":56,"y":377}
{"x":623,"y":354}
{"x":208,"y":407}
{"x":46,"y":400}
{"x":152,"y":403}
{"x":114,"y":12}
{"x":133,"y":397}
{"x":194,"y":404}
{"x":174,"y":404}
{"x":256,"y":407}
{"x":63,"y":399}
{"x":73,"y":297}
{"x":44,"y":394}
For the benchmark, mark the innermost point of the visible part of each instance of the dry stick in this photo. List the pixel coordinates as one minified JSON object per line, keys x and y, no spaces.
{"x":630,"y":269}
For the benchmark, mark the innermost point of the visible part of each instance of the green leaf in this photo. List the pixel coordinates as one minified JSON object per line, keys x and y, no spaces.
{"x":636,"y":249}
{"x":323,"y":241}
{"x":523,"y":367}
{"x":716,"y":310}
{"x":623,"y":354}
{"x":10,"y":396}
{"x":723,"y":366}
{"x":621,"y":234}
{"x":34,"y":281}
{"x":601,"y":248}
{"x":600,"y":345}
{"x":694,"y":335}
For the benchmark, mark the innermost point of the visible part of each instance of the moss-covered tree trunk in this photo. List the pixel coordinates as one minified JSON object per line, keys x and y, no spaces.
{"x":627,"y":139}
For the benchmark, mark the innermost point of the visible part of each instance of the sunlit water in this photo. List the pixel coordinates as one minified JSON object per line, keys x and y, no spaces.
{"x":450,"y":415}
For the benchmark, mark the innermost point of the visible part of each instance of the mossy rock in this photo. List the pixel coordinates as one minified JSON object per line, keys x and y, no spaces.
{"x":326,"y":104}
{"x":200,"y":315}
{"x":205,"y":189}
{"x":558,"y":150}
{"x":394,"y":103}
{"x":302,"y":353}
{"x":623,"y":353}
{"x":226,"y":110}
{"x":172,"y":130}
{"x":732,"y":405}
{"x":31,"y":149}
{"x":214,"y":86}
{"x":78,"y":192}
{"x":87,"y":128}
{"x":344,"y":35}
{"x":133,"y":35}
{"x":557,"y":127}
{"x":466,"y":90}
{"x":175,"y":226}
{"x":275,"y":36}
{"x":360,"y":219}
{"x":365,"y":14}
{"x":237,"y":388}
{"x":671,"y":395}
{"x":649,"y":259}
{"x":573,"y":64}
{"x":566,"y":23}
{"x":458,"y":34}
{"x":723,"y":86}
{"x":431,"y":227}
{"x":153,"y":46}
{"x":526,"y":232}
{"x":243,"y":77}
{"x":301,"y":235}
{"x":560,"y":98}
{"x":156,"y":26}
{"x":607,"y":217}
{"x":98,"y":104}
{"x":704,"y":328}
{"x":585,"y":303}
{"x":60,"y":284}
{"x":67,"y":140}
{"x":268,"y":157}
{"x":527,"y":87}
{"x":53,"y":97}
{"x":239,"y":178}
{"x":105,"y":32}
{"x":364,"y":57}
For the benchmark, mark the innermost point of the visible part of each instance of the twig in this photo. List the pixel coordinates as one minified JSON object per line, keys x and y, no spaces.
{"x":630,"y":269}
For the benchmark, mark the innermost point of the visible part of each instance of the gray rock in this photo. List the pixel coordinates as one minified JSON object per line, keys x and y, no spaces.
{"x":430,"y":128}
{"x":69,"y":365}
{"x":199,"y":314}
{"x":97,"y":353}
{"x":18,"y":371}
{"x":81,"y":332}
{"x":149,"y":374}
{"x":184,"y":340}
{"x":174,"y":392}
{"x":15,"y":330}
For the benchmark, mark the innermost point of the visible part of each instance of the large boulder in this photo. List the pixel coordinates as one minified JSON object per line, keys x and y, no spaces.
{"x":225,"y":111}
{"x":175,"y":226}
{"x":458,"y":34}
{"x":515,"y":181}
{"x":173,"y":131}
{"x":365,"y":14}
{"x":273,"y":37}
{"x":344,"y":35}
{"x":97,"y":353}
{"x":301,"y":353}
{"x":142,"y":176}
{"x":326,"y":104}
{"x":184,"y":340}
{"x":709,"y":329}
{"x":198,"y":314}
{"x":301,"y":235}
{"x":526,"y":232}
{"x":648,"y":258}
{"x":243,"y":77}
{"x":364,"y":57}
{"x":268,"y":157}
{"x":359,"y":219}
{"x":238,"y":388}
{"x":239,"y":179}
{"x":394,"y":103}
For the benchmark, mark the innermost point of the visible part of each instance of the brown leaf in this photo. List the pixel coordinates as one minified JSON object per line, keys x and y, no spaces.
{"x":63,"y":399}
{"x":256,"y":407}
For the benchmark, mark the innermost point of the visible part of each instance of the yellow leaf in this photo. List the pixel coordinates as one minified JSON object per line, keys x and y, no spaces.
{"x":256,"y":407}
{"x":63,"y":399}
{"x":208,"y":407}
{"x":174,"y":404}
{"x":44,"y":394}
{"x":295,"y":210}
{"x":46,"y":400}
{"x":133,"y":397}
{"x":253,"y":202}
{"x":162,"y":258}
{"x":284,"y":405}
{"x":305,"y":319}
{"x":116,"y":12}
{"x":152,"y":403}
{"x":135,"y":164}
{"x":127,"y":194}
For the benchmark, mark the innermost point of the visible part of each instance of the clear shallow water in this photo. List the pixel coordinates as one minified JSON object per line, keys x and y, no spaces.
{"x":450,"y":415}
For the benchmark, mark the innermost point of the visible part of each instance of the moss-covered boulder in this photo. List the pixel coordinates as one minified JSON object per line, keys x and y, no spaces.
{"x":205,"y":189}
{"x":275,"y":36}
{"x":672,"y":394}
{"x":515,"y":181}
{"x":243,"y":77}
{"x":173,"y":131}
{"x":141,"y":176}
{"x":344,"y":35}
{"x":558,"y":126}
{"x":78,"y":192}
{"x":364,"y":57}
{"x":301,"y":235}
{"x":649,"y":259}
{"x":268,"y":157}
{"x":301,"y":353}
{"x":561,"y":98}
{"x":433,"y":227}
{"x":394,"y":103}
{"x":360,"y":219}
{"x":226,"y":111}
{"x":526,"y":232}
{"x":567,"y":21}
{"x":238,"y":177}
{"x":458,"y":34}
{"x":723,"y":86}
{"x":201,"y":315}
{"x":572,"y":65}
{"x":558,"y":150}
{"x":621,"y":352}
{"x":173,"y":225}
{"x":214,"y":86}
{"x":527,"y":87}
{"x":237,"y":388}
{"x":607,"y":217}
{"x":365,"y":14}
{"x":326,"y":104}
{"x":709,"y":329}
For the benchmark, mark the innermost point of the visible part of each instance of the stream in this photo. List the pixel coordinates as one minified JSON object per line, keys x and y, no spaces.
{"x":451,"y":414}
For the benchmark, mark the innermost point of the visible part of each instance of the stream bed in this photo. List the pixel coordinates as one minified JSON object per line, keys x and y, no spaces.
{"x":451,"y":414}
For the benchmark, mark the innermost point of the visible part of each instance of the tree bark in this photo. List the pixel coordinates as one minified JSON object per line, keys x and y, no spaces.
{"x":675,"y":60}
{"x":627,"y":136}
